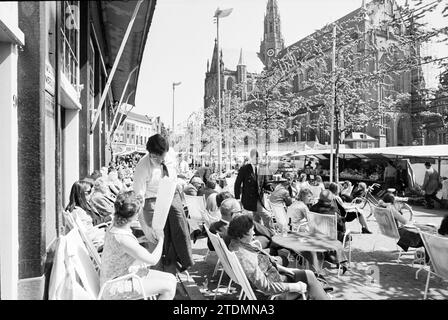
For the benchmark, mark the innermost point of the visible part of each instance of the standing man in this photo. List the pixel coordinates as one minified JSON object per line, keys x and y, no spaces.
{"x":150,"y":170}
{"x":390,"y":176}
{"x":251,"y":190}
{"x":431,"y":184}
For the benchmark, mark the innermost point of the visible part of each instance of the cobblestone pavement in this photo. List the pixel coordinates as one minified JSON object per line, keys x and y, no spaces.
{"x":392,"y":279}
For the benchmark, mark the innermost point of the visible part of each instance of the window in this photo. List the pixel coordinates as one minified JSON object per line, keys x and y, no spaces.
{"x":70,"y":41}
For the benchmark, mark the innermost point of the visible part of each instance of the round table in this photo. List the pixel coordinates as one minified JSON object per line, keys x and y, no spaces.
{"x":305,"y":241}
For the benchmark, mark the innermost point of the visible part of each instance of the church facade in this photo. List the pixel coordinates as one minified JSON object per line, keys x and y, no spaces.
{"x":402,"y":126}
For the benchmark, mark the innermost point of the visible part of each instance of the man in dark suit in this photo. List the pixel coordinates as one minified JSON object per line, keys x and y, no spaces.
{"x":249,"y":185}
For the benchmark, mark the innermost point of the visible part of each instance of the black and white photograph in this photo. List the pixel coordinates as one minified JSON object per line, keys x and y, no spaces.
{"x":217,"y":152}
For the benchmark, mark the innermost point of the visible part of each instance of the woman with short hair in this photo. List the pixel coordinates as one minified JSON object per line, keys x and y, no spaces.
{"x":263,"y":272}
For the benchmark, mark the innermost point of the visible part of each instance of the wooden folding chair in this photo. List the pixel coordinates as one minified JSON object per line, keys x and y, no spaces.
{"x":222,"y":259}
{"x":241,"y":278}
{"x":437,"y":248}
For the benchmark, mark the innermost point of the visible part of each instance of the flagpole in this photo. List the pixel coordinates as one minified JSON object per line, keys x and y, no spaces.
{"x":219,"y":97}
{"x":333,"y":103}
{"x":219,"y":14}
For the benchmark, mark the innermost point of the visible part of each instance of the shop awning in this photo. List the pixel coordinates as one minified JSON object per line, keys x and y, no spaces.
{"x":432,"y":151}
{"x":116,"y":16}
{"x":278,"y":154}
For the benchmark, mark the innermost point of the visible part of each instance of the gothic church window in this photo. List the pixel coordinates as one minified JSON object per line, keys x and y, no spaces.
{"x":230,"y":83}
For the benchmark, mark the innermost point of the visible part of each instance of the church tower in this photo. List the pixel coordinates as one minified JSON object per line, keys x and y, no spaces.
{"x":272,"y":42}
{"x":211,"y":78}
{"x":241,"y":75}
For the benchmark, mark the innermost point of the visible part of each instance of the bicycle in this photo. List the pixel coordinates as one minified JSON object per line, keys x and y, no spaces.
{"x":367,"y":200}
{"x":370,"y":200}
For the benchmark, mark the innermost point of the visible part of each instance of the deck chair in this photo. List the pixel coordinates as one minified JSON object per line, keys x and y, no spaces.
{"x":222,"y":260}
{"x":93,"y":252}
{"x":246,"y":290}
{"x":327,"y":225}
{"x":83,"y":272}
{"x":437,"y":247}
{"x":197,"y":211}
{"x":387,"y":225}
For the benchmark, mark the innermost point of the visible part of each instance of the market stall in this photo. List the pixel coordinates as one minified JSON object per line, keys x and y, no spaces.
{"x":367,"y":165}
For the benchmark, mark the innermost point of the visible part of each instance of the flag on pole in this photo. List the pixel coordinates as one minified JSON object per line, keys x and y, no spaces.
{"x":223,"y":13}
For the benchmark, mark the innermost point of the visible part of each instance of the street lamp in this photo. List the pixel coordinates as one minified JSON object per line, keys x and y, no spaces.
{"x":172,"y":124}
{"x":220,"y":14}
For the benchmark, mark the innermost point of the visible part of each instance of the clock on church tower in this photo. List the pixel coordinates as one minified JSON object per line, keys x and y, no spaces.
{"x":270,"y":52}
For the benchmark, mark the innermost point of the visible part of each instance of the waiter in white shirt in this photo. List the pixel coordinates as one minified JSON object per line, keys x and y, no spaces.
{"x":147,"y":176}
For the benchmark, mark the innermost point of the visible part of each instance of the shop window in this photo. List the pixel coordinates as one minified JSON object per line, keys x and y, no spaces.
{"x":70,"y":41}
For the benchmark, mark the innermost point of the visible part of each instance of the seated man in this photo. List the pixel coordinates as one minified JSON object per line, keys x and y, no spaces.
{"x":228,"y":208}
{"x":209,"y":188}
{"x":263,"y":272}
{"x":349,"y":214}
{"x":194,"y":186}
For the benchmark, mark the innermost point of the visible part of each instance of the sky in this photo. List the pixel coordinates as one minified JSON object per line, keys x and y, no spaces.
{"x":181,"y":39}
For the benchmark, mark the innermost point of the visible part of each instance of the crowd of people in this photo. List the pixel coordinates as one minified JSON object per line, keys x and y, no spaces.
{"x":115,"y":207}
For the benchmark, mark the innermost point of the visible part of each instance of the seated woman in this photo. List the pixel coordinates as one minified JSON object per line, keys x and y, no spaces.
{"x":102,"y":199}
{"x":408,"y":238}
{"x":281,"y":193}
{"x":81,"y":210}
{"x":327,"y":205}
{"x":359,"y":191}
{"x":349,"y":213}
{"x":301,"y":182}
{"x":122,"y":250}
{"x":297,"y":212}
{"x":265,"y":274}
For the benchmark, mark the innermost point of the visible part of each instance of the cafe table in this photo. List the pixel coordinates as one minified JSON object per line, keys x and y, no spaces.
{"x":307,"y":241}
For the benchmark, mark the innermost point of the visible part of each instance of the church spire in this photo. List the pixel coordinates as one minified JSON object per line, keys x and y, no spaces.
{"x":272,"y":42}
{"x":241,"y":60}
{"x":214,"y":66}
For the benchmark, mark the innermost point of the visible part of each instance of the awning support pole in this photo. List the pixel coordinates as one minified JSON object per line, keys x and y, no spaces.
{"x":439,"y":165}
{"x":121,"y":117}
{"x":114,"y":68}
{"x":92,"y":26}
{"x":122,"y":96}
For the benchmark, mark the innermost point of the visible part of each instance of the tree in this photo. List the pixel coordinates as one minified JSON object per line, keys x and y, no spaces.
{"x":366,"y":75}
{"x":271,"y":104}
{"x":235,"y":119}
{"x":210,"y":131}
